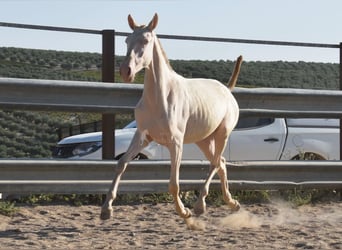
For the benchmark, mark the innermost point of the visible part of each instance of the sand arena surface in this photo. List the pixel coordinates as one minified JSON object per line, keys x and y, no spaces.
{"x":147,"y":226}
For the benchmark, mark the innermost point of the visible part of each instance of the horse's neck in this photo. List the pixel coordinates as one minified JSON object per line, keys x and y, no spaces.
{"x":158,"y":77}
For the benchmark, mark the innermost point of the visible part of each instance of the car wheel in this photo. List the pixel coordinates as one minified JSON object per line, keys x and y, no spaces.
{"x":308,"y":157}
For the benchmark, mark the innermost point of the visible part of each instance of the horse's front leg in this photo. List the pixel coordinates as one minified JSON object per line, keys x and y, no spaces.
{"x":137,"y":144}
{"x":176,"y":148}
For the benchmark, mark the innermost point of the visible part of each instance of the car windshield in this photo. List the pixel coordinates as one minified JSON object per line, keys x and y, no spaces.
{"x":253,"y":122}
{"x":132,"y":124}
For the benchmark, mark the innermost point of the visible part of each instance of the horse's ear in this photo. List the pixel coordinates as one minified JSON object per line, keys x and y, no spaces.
{"x":153,"y":24}
{"x":131,"y":22}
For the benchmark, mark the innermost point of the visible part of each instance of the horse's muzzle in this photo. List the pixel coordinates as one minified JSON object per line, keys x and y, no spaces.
{"x":126,"y":73}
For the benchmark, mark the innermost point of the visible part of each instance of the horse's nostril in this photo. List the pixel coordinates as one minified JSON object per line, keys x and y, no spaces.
{"x":126,"y":73}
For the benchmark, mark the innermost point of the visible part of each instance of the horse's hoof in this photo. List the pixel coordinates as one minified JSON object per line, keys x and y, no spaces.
{"x":236,"y":207}
{"x":199,"y":208}
{"x":187,"y":214}
{"x":106,"y":213}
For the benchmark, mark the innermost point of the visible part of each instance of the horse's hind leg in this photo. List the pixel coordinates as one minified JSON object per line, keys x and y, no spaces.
{"x":200,"y":205}
{"x":220,"y":145}
{"x":213,"y":147}
{"x":227,"y":197}
{"x":133,"y":150}
{"x":207,"y":146}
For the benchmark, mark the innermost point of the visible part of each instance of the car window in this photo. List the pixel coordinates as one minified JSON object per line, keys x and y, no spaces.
{"x":253,"y":122}
{"x":132,"y":124}
{"x":243,"y":123}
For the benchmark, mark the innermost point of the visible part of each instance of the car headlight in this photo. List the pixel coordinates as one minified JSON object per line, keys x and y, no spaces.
{"x":82,"y":149}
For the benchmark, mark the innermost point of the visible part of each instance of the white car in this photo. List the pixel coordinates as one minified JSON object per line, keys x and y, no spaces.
{"x":252,"y":139}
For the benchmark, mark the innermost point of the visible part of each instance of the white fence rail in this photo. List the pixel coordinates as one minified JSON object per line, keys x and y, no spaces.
{"x":50,"y":176}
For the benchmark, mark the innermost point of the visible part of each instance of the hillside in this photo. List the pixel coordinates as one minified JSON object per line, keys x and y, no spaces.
{"x":31,"y":134}
{"x":27,"y":134}
{"x":277,"y":74}
{"x":46,"y":64}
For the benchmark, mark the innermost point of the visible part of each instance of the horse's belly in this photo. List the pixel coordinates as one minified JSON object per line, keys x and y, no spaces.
{"x":203,"y":123}
{"x":197,"y":130}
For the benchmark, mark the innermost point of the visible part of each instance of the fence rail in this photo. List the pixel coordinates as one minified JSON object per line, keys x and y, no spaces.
{"x":175,"y":37}
{"x":55,"y":95}
{"x":94,"y":177}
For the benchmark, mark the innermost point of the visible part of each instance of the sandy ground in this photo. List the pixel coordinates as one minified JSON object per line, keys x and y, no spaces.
{"x":147,"y":226}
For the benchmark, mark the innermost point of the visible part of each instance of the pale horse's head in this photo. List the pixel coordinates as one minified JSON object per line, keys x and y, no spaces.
{"x":139,"y":48}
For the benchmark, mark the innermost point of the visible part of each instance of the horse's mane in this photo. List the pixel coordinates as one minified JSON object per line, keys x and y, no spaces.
{"x":164,"y":54}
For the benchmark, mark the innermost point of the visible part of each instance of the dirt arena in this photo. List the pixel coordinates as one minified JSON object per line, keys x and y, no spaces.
{"x":156,"y":226}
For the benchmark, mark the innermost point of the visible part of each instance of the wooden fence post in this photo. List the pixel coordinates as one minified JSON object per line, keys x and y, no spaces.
{"x":340,"y":90}
{"x":108,"y":75}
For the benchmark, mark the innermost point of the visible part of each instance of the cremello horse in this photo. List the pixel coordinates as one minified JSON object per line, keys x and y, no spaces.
{"x":174,"y":110}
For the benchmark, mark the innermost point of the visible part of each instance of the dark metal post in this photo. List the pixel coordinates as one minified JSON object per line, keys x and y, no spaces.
{"x":108,"y":75}
{"x":340,"y":90}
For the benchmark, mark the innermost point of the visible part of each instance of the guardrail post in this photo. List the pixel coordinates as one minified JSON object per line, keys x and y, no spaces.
{"x":108,"y":75}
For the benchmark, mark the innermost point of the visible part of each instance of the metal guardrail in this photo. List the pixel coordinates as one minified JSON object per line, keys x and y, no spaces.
{"x":55,"y":95}
{"x":29,"y":176}
{"x":84,"y":177}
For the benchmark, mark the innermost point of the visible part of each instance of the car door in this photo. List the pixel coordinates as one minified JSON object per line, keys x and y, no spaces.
{"x":257,"y":139}
{"x":190,"y":152}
